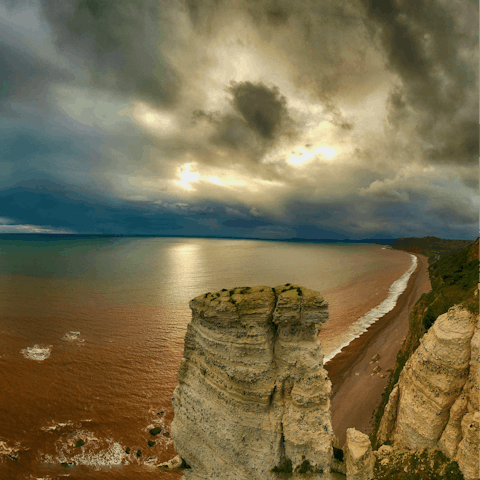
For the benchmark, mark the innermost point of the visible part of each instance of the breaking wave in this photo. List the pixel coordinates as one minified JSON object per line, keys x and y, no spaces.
{"x":37,"y":352}
{"x":93,"y":452}
{"x":72,"y":336}
{"x":362,"y":324}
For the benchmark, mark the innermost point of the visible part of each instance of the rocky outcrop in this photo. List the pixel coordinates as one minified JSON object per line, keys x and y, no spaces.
{"x":358,"y":456}
{"x":253,"y":396}
{"x":435,"y":402}
{"x":389,"y":418}
{"x":463,"y":422}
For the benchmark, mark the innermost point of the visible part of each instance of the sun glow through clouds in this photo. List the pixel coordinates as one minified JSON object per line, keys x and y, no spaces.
{"x":150,"y":118}
{"x":307,"y":156}
{"x":187,"y":176}
{"x":327,"y":152}
{"x":215,"y":180}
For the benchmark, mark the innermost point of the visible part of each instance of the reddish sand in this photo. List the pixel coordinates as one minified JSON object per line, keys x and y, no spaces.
{"x":347,"y":303}
{"x":355,"y":391}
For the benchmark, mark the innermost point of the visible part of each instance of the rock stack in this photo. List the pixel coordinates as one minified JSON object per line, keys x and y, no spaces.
{"x":359,"y":456}
{"x":253,"y":396}
{"x":435,"y":402}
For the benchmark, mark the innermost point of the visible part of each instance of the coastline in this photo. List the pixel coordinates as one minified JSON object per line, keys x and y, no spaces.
{"x":356,"y":391}
{"x":353,"y":306}
{"x":360,"y":326}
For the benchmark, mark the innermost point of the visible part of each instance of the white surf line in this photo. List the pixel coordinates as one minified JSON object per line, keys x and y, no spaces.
{"x":362,"y":324}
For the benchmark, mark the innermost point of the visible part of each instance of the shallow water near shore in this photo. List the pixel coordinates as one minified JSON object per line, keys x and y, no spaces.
{"x":91,"y":336}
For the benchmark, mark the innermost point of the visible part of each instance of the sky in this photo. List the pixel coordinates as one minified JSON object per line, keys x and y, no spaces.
{"x":269,"y":119}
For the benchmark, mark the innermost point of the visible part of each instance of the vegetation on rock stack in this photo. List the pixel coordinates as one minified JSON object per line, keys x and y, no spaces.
{"x":416,"y":465}
{"x":454,"y":280}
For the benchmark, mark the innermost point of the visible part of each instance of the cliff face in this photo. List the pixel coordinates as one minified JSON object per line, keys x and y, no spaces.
{"x":253,"y":396}
{"x":435,"y":402}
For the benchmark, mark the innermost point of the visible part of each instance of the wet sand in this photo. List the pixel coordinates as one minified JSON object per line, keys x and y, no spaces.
{"x":355,"y":391}
{"x":348,"y":303}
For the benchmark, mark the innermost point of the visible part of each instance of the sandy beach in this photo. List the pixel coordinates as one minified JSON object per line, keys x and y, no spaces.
{"x":355,"y":391}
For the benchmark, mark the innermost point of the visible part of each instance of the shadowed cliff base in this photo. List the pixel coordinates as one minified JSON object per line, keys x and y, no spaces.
{"x":356,"y":389}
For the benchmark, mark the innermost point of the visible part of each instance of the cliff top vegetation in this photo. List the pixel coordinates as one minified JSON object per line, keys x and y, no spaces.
{"x":433,"y":248}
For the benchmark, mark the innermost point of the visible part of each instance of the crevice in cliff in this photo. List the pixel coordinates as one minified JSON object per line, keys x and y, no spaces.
{"x":284,"y":464}
{"x":270,"y":398}
{"x":274,"y":328}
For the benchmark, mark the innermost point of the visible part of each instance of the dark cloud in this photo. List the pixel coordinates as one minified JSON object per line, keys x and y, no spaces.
{"x":26,"y":78}
{"x":319,"y":59}
{"x":400,"y":40}
{"x":120,"y":41}
{"x":451,"y":216}
{"x":111,"y":87}
{"x":259,"y":119}
{"x":434,"y":50}
{"x":58,"y":205}
{"x":233,"y":132}
{"x":336,"y":116}
{"x":244,"y":223}
{"x":277,"y":14}
{"x":263,"y":108}
{"x":210,"y":117}
{"x":24,"y":147}
{"x":311,"y":232}
{"x":463,"y":147}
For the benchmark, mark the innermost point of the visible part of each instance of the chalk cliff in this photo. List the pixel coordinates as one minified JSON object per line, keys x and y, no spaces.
{"x":435,"y":402}
{"x":253,"y":396}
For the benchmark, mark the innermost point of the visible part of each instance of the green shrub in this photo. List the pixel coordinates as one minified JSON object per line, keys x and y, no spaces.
{"x":305,"y":467}
{"x":284,"y":467}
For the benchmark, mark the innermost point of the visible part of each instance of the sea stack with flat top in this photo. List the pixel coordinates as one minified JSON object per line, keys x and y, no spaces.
{"x":253,"y":397}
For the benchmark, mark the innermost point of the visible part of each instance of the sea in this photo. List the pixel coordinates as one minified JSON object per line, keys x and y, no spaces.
{"x":92,"y":328}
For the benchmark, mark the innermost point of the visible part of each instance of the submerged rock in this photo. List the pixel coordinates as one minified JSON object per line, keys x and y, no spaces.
{"x":253,"y":396}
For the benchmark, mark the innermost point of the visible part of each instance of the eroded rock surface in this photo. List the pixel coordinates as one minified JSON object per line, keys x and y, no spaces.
{"x":358,"y":455}
{"x":253,"y":396}
{"x":435,"y":402}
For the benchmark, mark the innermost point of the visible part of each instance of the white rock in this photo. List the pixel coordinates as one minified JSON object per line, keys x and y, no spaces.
{"x":436,"y":401}
{"x":432,"y":380}
{"x":252,"y":388}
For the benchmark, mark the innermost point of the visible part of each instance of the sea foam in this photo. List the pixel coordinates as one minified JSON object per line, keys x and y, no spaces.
{"x":96,"y":452}
{"x":37,"y":352}
{"x":71,"y":336}
{"x":362,"y":324}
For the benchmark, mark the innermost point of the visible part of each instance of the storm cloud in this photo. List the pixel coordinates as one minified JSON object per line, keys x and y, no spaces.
{"x":274,"y":119}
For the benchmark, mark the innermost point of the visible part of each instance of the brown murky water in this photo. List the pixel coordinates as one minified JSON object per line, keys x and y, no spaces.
{"x":91,"y":337}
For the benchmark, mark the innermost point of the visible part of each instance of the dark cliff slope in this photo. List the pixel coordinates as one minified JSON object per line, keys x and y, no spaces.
{"x":454,"y":280}
{"x":432,"y":247}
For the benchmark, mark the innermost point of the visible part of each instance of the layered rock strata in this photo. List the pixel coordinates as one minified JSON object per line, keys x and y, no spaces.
{"x":253,"y":396}
{"x":358,"y":456}
{"x":435,"y":402}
